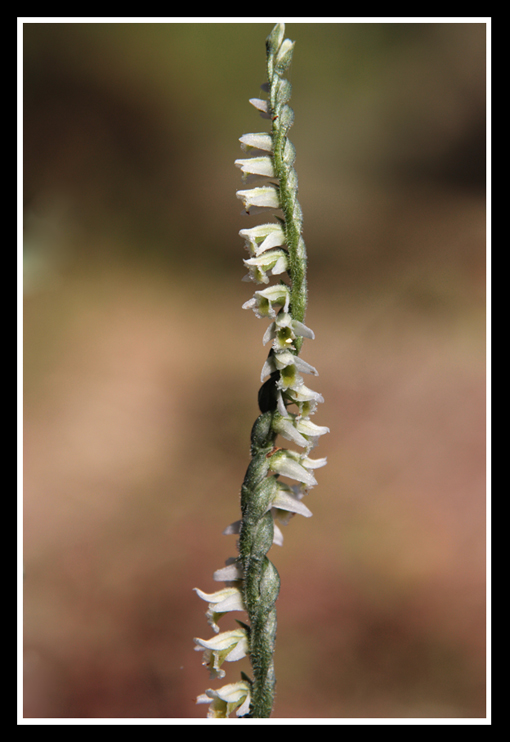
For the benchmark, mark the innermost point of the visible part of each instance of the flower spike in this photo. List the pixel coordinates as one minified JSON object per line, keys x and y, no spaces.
{"x":286,"y":404}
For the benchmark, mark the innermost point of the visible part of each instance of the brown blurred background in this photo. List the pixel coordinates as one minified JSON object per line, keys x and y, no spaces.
{"x":141,"y":370}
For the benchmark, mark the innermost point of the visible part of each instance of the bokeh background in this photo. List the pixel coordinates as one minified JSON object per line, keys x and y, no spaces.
{"x":141,"y":370}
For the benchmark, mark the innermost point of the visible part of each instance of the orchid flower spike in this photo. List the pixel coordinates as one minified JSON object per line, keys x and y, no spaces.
{"x":276,"y":248}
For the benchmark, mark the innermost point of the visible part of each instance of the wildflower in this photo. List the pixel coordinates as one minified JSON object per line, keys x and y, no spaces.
{"x":252,"y":581}
{"x":263,"y":197}
{"x":270,"y":263}
{"x":261,"y":141}
{"x":226,"y":647}
{"x":299,"y":430}
{"x":256,"y":166}
{"x":262,"y":301}
{"x":220,"y":602}
{"x":263,"y":237}
{"x":287,"y":500}
{"x":231,"y":573}
{"x":224,"y":701}
{"x":284,"y":330}
{"x":284,"y":425}
{"x":305,"y":398}
{"x":310,"y":430}
{"x":287,"y":464}
{"x":262,"y":106}
{"x":287,"y":363}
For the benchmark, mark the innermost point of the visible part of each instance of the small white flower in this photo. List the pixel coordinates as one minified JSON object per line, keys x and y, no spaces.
{"x":287,"y":463}
{"x":281,"y":516}
{"x":264,"y":197}
{"x":305,"y":398}
{"x":231,"y":573}
{"x":288,"y":364}
{"x":310,"y":430}
{"x":229,"y":646}
{"x":263,"y":300}
{"x":257,"y":141}
{"x":286,"y":358}
{"x":286,"y":500}
{"x":225,"y":700}
{"x":263,"y":237}
{"x":312,"y":463}
{"x":270,"y":263}
{"x":299,"y":430}
{"x":285,"y":426}
{"x":284,"y":330}
{"x":262,"y":106}
{"x":256,"y":166}
{"x":220,"y":602}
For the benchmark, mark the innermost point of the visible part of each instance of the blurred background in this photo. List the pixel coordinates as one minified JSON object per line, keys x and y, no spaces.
{"x":141,"y":370}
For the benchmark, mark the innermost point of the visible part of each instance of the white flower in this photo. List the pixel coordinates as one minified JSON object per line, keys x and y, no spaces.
{"x":299,"y":430}
{"x":265,"y":197}
{"x":286,"y":500}
{"x":226,"y":647}
{"x":287,"y":463}
{"x":262,"y":301}
{"x":263,"y":237}
{"x":232,"y":697}
{"x":261,"y":141}
{"x":312,"y":463}
{"x":285,"y":426}
{"x":288,"y":363}
{"x":231,"y":573}
{"x":305,"y":398}
{"x":256,"y":166}
{"x":310,"y":430}
{"x":284,"y":330}
{"x":262,"y":106}
{"x":220,"y":602}
{"x":270,"y":263}
{"x":281,"y":515}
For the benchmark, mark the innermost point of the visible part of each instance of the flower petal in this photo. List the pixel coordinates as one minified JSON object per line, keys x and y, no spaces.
{"x":220,"y":602}
{"x":261,"y":141}
{"x":282,"y":462}
{"x":229,"y":646}
{"x":285,"y":426}
{"x":286,"y":501}
{"x":257,"y":166}
{"x":230,"y":573}
{"x":267,"y":197}
{"x":263,"y":300}
{"x":262,"y":106}
{"x":225,"y":700}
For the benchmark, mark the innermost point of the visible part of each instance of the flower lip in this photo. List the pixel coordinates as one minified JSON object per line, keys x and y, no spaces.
{"x":223,"y":701}
{"x":257,"y":166}
{"x":261,"y":141}
{"x":266,"y":197}
{"x":284,"y":500}
{"x":282,"y":462}
{"x":263,"y":237}
{"x":262,"y":106}
{"x":229,"y":646}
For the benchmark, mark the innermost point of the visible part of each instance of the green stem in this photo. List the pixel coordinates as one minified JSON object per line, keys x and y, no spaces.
{"x":261,"y":582}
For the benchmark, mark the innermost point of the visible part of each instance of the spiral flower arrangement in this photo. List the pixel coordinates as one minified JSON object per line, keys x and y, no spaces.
{"x":251,"y":580}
